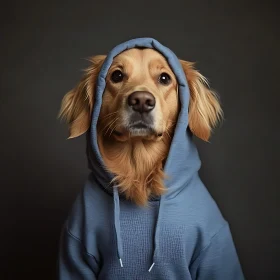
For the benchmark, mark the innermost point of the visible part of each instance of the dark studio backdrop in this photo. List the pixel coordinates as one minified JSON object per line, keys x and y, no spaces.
{"x":43,"y":45}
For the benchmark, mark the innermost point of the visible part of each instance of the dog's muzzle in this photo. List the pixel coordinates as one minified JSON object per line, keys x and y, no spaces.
{"x":141,"y":105}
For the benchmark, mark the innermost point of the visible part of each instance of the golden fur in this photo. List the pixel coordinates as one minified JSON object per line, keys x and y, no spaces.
{"x":137,"y":161}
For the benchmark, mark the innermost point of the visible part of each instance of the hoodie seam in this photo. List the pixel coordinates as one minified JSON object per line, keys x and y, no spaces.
{"x":210,"y":243}
{"x":80,"y":241}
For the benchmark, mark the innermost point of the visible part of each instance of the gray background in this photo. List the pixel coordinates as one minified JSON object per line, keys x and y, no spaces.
{"x":43,"y":46}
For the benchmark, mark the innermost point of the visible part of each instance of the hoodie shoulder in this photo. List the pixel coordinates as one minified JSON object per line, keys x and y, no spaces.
{"x":85,"y":214}
{"x":219,"y":260}
{"x":203,"y":213}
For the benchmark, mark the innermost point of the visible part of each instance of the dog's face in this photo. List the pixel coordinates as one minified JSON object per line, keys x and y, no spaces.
{"x":140,"y":99}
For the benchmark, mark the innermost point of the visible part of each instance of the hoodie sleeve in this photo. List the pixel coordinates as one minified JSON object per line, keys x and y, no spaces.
{"x":219,"y":260}
{"x":74,"y":262}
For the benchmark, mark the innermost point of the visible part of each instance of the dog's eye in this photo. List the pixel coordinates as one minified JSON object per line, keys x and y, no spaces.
{"x":117,"y":76}
{"x":164,"y":79}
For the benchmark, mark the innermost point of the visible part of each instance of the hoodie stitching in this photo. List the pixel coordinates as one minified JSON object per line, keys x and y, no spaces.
{"x":80,"y":241}
{"x":210,"y":243}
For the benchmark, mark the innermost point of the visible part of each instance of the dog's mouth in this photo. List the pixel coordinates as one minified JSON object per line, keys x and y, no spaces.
{"x":140,"y":128}
{"x":139,"y":125}
{"x":135,"y":130}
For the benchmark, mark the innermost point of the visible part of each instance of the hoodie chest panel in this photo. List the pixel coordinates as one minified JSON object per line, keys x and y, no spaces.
{"x":137,"y":231}
{"x":137,"y":228}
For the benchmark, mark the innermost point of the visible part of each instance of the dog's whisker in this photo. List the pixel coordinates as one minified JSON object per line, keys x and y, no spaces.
{"x":107,"y":125}
{"x":168,"y":134}
{"x":109,"y":115}
{"x":111,"y":126}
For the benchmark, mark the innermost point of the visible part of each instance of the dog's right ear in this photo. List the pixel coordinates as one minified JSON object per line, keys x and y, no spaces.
{"x":77,"y":104}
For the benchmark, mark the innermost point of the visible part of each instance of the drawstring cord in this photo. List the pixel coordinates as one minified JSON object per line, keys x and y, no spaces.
{"x":118,"y":233}
{"x":156,"y":237}
{"x":117,"y":224}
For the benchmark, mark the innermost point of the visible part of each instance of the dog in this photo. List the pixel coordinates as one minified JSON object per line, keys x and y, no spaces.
{"x":138,"y":116}
{"x":144,"y":211}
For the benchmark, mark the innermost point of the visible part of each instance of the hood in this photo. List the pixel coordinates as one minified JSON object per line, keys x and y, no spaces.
{"x":183,"y":159}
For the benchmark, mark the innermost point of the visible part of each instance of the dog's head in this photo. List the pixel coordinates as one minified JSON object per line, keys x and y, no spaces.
{"x":139,"y":111}
{"x":140,"y":98}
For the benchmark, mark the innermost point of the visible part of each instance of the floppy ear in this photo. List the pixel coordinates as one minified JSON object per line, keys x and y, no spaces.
{"x":77,"y":104}
{"x":204,"y":109}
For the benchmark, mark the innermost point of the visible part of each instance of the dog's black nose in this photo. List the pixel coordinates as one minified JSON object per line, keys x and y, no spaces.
{"x":141,"y":101}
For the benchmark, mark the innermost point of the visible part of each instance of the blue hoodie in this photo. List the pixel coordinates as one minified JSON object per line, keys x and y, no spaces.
{"x":180,"y":235}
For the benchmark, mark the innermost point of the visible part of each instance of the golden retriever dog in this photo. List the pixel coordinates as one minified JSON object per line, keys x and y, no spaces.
{"x":138,"y":116}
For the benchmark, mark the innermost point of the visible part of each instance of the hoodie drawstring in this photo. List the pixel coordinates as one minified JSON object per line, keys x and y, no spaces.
{"x":117,"y":223}
{"x":156,"y":236}
{"x":118,"y":233}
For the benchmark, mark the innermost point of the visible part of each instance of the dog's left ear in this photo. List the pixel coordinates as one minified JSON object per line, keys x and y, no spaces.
{"x":77,"y":104}
{"x":204,"y":109}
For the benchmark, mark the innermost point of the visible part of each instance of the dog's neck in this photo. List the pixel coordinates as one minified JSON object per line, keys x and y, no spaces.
{"x":137,"y":165}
